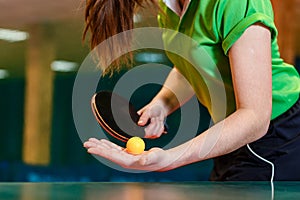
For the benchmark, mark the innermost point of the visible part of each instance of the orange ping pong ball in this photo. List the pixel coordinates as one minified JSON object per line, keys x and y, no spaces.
{"x":135,"y":145}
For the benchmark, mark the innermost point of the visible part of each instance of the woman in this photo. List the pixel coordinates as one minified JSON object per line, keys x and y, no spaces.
{"x":260,"y":135}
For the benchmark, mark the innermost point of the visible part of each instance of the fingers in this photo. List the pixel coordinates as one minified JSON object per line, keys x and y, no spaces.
{"x":97,"y":147}
{"x":144,"y":118}
{"x":154,"y":129}
{"x":156,"y":126}
{"x":141,"y":110}
{"x":154,"y":112}
{"x":100,"y":147}
{"x":112,"y":145}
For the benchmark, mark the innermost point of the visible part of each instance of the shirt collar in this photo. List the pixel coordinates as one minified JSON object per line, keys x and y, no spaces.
{"x":175,"y":7}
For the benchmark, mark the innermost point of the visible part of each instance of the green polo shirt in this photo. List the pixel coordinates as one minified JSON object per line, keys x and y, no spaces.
{"x":216,"y":25}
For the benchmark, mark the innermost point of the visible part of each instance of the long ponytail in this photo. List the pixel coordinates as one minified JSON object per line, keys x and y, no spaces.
{"x":106,"y":18}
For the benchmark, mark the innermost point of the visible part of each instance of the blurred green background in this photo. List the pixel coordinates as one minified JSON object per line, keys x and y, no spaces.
{"x":52,"y":32}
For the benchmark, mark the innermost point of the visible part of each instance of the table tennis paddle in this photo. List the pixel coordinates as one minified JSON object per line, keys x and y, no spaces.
{"x":126,"y":114}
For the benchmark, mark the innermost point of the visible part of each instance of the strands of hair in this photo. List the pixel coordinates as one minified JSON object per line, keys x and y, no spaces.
{"x":105,"y":19}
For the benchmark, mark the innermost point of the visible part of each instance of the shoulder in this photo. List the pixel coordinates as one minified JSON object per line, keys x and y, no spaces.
{"x":234,"y":17}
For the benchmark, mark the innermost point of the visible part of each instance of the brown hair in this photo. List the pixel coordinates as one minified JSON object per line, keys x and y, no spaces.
{"x":106,"y":18}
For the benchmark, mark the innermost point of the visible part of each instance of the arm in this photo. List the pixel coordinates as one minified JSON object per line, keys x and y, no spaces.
{"x":250,"y":61}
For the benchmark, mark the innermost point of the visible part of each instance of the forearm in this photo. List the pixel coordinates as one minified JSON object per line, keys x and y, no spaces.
{"x":222,"y":138}
{"x":175,"y":92}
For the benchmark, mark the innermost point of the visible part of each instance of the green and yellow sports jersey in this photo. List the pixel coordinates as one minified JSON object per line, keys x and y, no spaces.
{"x":216,"y":25}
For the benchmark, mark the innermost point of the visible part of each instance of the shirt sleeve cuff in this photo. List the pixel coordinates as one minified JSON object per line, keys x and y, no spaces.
{"x":240,"y":28}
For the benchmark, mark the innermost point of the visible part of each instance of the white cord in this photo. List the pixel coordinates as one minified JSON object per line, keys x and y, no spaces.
{"x":267,"y":161}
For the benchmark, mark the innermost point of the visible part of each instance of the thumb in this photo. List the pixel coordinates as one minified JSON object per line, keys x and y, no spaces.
{"x":144,"y":118}
{"x":139,"y":112}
